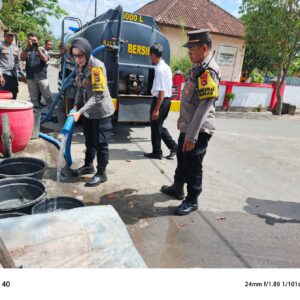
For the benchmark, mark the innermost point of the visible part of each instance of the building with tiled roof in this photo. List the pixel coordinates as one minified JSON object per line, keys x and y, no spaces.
{"x":176,"y":17}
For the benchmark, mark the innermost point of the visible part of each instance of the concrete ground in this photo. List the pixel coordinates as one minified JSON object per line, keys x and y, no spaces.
{"x":249,"y":211}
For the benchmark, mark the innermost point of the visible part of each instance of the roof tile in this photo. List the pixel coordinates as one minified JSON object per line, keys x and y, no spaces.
{"x":194,"y":14}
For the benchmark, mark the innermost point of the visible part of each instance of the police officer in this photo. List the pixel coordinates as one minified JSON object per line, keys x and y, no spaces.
{"x":10,"y":64}
{"x":196,"y":121}
{"x":94,"y":102}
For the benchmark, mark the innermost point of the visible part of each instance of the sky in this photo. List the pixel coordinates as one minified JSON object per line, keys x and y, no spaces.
{"x":84,"y":9}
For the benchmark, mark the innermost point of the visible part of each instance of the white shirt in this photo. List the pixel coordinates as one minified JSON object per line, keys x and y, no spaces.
{"x":162,"y":80}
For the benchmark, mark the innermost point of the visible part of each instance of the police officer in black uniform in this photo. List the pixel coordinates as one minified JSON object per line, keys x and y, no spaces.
{"x":10,"y":64}
{"x":196,"y":121}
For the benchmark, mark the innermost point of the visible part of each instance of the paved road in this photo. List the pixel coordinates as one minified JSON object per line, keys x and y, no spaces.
{"x":249,"y":214}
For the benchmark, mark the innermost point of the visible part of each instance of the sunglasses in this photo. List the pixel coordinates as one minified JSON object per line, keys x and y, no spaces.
{"x":78,"y":55}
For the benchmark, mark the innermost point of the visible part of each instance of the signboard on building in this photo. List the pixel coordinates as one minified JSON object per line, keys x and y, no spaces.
{"x":226,"y":55}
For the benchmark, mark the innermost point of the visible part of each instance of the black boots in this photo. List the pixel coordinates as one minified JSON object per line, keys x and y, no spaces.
{"x":153,"y":155}
{"x":172,"y":153}
{"x":186,"y":207}
{"x":175,"y":190}
{"x":86,"y":169}
{"x":98,"y":178}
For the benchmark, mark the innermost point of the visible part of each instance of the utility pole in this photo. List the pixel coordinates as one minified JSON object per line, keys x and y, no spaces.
{"x":95,"y":8}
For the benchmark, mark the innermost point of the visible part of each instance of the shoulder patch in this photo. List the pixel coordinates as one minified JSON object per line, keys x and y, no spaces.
{"x":98,"y":79}
{"x":207,"y":87}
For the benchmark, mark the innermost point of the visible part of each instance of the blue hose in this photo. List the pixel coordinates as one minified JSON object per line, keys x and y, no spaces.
{"x":68,"y":130}
{"x":98,"y":49}
{"x":67,"y":83}
{"x":50,"y":139}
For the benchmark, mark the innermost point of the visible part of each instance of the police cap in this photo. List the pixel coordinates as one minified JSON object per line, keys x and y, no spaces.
{"x":9,"y":32}
{"x":197,"y":37}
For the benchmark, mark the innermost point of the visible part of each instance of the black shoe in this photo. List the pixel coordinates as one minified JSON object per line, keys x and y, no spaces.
{"x":42,"y":104}
{"x":172,"y":153}
{"x":153,"y":155}
{"x":173,"y":191}
{"x":185,"y":208}
{"x":83,"y":171}
{"x":96,"y":180}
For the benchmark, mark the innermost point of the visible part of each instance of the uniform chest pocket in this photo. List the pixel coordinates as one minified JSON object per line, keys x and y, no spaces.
{"x":189,"y":90}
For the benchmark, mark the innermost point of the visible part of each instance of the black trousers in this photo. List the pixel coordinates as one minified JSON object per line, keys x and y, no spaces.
{"x":11,"y":85}
{"x":158,"y":132}
{"x":97,"y":135}
{"x":189,"y":165}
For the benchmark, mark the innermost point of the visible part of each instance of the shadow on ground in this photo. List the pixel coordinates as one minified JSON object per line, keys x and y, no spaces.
{"x":274,"y":211}
{"x":133,"y":207}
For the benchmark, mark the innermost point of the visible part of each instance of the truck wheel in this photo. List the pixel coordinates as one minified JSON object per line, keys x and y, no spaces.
{"x":6,"y":136}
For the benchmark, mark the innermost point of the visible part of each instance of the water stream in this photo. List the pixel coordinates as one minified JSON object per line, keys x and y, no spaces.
{"x":59,"y":175}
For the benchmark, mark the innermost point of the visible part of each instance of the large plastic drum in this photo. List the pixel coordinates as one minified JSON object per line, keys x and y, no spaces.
{"x":6,"y":95}
{"x":20,"y":115}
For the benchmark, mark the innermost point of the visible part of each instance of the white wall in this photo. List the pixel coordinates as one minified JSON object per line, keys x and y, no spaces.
{"x":222,"y":89}
{"x":251,"y":96}
{"x":292,"y":95}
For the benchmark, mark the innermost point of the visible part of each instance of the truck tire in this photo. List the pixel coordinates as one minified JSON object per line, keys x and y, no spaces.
{"x":6,"y":136}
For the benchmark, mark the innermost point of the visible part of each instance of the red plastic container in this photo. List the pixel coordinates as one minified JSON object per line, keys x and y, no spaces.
{"x":6,"y":95}
{"x":178,"y":80}
{"x":20,"y":115}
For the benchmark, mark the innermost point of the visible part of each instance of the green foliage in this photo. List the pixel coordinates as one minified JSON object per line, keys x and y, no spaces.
{"x":294,"y":69}
{"x":230,"y":96}
{"x":23,"y":16}
{"x":256,"y":76}
{"x":272,"y":32}
{"x":181,"y":63}
{"x":260,"y":108}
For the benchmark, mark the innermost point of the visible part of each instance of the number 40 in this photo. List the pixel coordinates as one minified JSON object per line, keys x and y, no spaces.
{"x":6,"y":283}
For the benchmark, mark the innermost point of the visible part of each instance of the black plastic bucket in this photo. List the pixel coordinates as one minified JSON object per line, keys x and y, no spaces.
{"x":17,"y":167}
{"x":12,"y":215}
{"x":62,"y":203}
{"x":20,"y":194}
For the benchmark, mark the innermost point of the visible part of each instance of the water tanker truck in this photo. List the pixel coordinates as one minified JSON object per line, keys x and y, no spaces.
{"x":127,"y":38}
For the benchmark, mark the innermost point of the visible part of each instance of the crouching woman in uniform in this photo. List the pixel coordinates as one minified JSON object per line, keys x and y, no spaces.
{"x":95,"y":104}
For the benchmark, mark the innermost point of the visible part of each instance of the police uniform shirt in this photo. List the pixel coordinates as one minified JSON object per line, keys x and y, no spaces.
{"x":197,"y":111}
{"x":9,"y":59}
{"x":94,"y":105}
{"x":162,"y":80}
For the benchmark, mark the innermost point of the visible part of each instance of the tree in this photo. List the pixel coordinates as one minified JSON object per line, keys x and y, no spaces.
{"x":23,"y":16}
{"x":272,"y":31}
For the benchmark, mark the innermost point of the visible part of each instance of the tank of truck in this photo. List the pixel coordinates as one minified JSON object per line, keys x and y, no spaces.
{"x":129,"y":69}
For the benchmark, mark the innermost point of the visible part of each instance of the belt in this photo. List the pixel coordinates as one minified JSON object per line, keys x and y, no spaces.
{"x":165,"y":98}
